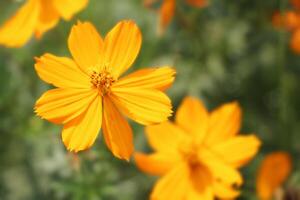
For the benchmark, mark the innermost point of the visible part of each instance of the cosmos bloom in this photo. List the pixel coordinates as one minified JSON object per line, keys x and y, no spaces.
{"x":290,"y":20}
{"x":199,"y":154}
{"x":37,"y":17}
{"x":295,"y":41}
{"x":273,"y":171}
{"x":167,"y":10}
{"x":90,"y":93}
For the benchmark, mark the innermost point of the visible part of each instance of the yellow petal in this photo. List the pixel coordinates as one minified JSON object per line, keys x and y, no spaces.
{"x":121,"y":47}
{"x":19,"y":28}
{"x":61,"y":72}
{"x":151,"y":78}
{"x":172,"y":185}
{"x":192,"y":116}
{"x":224,"y":122}
{"x":85,"y":45}
{"x":155,"y":163}
{"x":237,"y":151}
{"x":81,"y":133}
{"x":165,"y":137}
{"x":273,"y":171}
{"x":146,"y":106}
{"x":195,"y":194}
{"x":220,"y":170}
{"x":200,"y":184}
{"x":48,"y":18}
{"x":167,"y":12}
{"x":116,"y":130}
{"x":63,"y":105}
{"x":67,"y":8}
{"x":223,"y":191}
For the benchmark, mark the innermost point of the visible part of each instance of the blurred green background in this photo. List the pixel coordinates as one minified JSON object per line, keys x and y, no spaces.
{"x":227,"y":51}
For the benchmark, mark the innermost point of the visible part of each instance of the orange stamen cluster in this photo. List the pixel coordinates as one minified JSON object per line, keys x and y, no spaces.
{"x":189,"y":154}
{"x":102,"y":81}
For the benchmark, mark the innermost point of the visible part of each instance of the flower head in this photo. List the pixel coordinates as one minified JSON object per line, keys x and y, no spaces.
{"x":37,"y":17}
{"x":198,"y":155}
{"x":273,"y":171}
{"x":90,"y":93}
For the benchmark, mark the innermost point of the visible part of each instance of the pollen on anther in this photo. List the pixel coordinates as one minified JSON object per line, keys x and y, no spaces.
{"x":102,"y":81}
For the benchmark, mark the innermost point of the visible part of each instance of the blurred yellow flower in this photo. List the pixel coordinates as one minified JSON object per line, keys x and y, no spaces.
{"x":167,"y":10}
{"x":90,"y":93}
{"x":198,"y":156}
{"x":37,"y":17}
{"x":274,"y":170}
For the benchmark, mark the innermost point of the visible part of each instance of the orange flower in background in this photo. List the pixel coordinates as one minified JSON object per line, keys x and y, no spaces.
{"x":37,"y":17}
{"x":198,"y":155}
{"x":274,"y":170}
{"x":295,"y":41}
{"x":90,"y":93}
{"x":296,"y":3}
{"x":290,"y":20}
{"x":167,"y":10}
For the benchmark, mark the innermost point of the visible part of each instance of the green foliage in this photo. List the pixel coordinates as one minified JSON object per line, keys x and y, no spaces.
{"x":227,"y":51}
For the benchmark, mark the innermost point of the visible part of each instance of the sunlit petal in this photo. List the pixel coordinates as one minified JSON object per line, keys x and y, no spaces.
{"x":81,"y":133}
{"x":117,"y":132}
{"x":224,"y":122}
{"x":67,"y":8}
{"x":152,"y":78}
{"x":237,"y":151}
{"x":63,"y":105}
{"x":86,"y":46}
{"x":224,"y":191}
{"x":155,"y":163}
{"x":146,"y":106}
{"x":19,"y":29}
{"x":221,"y":170}
{"x":172,"y":185}
{"x":61,"y":72}
{"x":196,"y":194}
{"x":165,"y":137}
{"x":48,"y":18}
{"x":192,"y":116}
{"x":121,"y":46}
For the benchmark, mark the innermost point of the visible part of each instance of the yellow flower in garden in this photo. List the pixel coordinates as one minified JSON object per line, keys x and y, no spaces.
{"x":274,"y":170}
{"x":167,"y":10}
{"x":198,"y":155}
{"x":90,"y":93}
{"x":37,"y":17}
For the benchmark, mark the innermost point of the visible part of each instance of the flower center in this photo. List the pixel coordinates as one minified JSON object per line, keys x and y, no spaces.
{"x":189,"y":154}
{"x":200,"y":174}
{"x":102,"y":81}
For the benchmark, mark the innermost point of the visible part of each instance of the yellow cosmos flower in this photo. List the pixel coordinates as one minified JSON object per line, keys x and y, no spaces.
{"x":274,"y":170}
{"x":91,"y":94}
{"x":37,"y":17}
{"x":198,"y":155}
